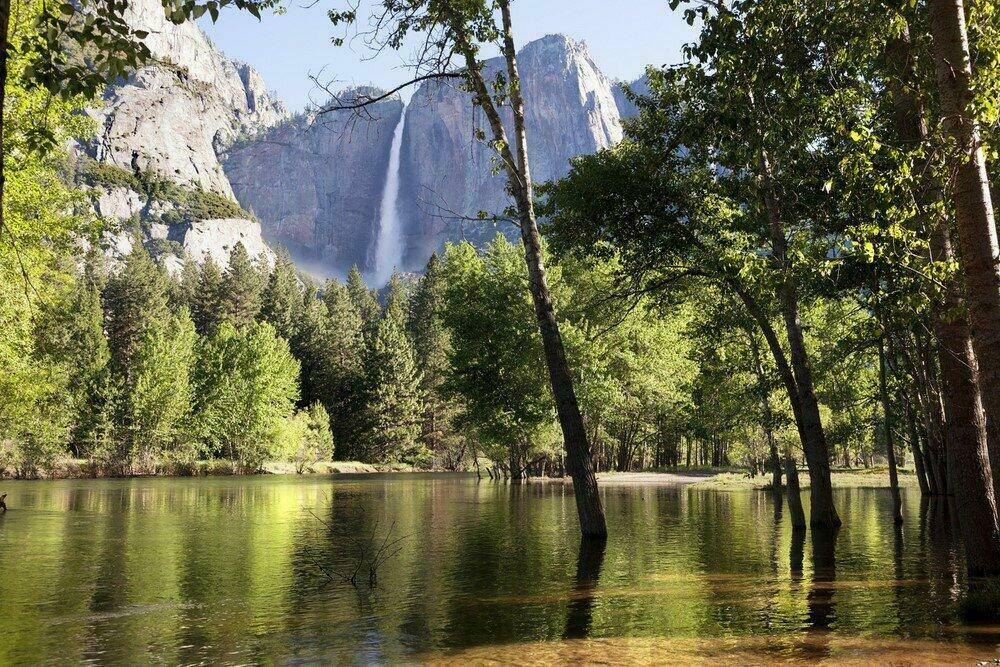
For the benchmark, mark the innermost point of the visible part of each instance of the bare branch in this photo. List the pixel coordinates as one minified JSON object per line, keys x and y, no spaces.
{"x":363,"y":101}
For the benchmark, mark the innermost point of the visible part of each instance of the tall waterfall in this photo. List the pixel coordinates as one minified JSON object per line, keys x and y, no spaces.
{"x":389,"y":244}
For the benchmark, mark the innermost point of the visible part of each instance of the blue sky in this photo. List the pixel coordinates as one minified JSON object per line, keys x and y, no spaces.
{"x":623,"y":35}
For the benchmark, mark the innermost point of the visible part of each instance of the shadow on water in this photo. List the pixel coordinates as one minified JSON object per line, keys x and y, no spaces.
{"x":580,"y":613}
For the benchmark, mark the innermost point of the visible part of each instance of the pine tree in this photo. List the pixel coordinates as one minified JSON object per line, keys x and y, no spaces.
{"x":398,"y":294}
{"x":319,"y":437}
{"x":71,"y":342}
{"x":241,"y":289}
{"x":346,"y":344}
{"x":392,"y":406}
{"x":150,"y":354}
{"x":135,"y":303}
{"x":281,"y":301}
{"x":185,"y":287}
{"x":86,"y":350}
{"x":312,"y":347}
{"x":363,"y":298}
{"x":431,"y":344}
{"x":206,"y":308}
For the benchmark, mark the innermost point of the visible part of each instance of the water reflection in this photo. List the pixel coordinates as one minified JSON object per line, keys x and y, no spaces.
{"x":228,"y":570}
{"x":581,"y":604}
{"x":824,"y":563}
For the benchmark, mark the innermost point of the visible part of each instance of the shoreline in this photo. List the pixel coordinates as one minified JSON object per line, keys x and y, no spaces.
{"x":699,"y":478}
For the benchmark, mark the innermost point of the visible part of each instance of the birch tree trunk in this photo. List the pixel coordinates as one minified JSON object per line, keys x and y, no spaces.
{"x":578,"y":462}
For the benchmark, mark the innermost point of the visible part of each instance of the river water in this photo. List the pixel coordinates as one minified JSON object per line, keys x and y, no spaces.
{"x":231,"y":570}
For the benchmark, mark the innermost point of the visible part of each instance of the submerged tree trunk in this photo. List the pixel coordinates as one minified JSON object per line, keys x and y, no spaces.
{"x":914,"y":437}
{"x":966,"y":447}
{"x":794,"y":494}
{"x":980,"y":251}
{"x":823,"y":513}
{"x":578,"y":462}
{"x":890,"y":450}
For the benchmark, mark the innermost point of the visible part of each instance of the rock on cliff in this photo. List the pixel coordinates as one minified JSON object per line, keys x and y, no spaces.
{"x":161,"y":129}
{"x":315,"y":182}
{"x":626,"y":107}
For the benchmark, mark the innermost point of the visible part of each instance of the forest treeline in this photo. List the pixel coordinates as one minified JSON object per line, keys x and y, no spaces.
{"x":791,"y":255}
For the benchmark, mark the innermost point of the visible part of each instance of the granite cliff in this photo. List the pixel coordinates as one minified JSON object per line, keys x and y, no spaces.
{"x":153,"y":167}
{"x":316,"y":181}
{"x":193,"y":154}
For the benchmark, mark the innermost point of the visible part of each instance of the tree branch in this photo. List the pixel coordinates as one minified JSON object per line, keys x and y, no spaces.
{"x":366,"y":100}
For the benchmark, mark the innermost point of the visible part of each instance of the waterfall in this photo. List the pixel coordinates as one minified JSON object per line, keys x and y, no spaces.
{"x":389,"y":244}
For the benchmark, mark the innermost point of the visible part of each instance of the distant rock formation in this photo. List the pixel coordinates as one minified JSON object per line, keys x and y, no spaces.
{"x":448,"y":175}
{"x":315,"y":182}
{"x":193,"y":153}
{"x":160,"y":132}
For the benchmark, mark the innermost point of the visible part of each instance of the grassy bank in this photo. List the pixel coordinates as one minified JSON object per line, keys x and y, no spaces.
{"x":84,"y":469}
{"x":873,"y":478}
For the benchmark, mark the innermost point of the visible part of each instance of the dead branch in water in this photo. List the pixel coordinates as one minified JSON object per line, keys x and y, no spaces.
{"x":371,"y":554}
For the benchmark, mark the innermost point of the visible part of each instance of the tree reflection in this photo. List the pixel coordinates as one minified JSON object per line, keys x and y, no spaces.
{"x":820,"y":598}
{"x":581,"y":605}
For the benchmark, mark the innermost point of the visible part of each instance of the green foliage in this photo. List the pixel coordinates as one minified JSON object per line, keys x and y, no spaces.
{"x":206,"y":306}
{"x":153,"y":411}
{"x":281,"y":301}
{"x":363,"y":298}
{"x":190,"y":203}
{"x":307,"y":437}
{"x":498,"y":367}
{"x":391,"y":395}
{"x":241,"y":288}
{"x":345,"y":345}
{"x":246,"y":385}
{"x":43,"y":220}
{"x":440,"y":432}
{"x":135,"y":304}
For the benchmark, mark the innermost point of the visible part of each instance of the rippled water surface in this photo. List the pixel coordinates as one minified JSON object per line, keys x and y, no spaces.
{"x":230,"y":570}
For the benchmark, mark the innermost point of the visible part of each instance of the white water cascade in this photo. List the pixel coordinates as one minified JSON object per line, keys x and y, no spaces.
{"x":389,"y":244}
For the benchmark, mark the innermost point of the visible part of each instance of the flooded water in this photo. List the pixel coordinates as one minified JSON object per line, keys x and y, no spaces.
{"x":231,"y":570}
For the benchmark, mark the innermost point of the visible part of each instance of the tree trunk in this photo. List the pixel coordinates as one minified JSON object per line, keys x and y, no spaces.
{"x":823,"y":513}
{"x":795,"y":512}
{"x":890,"y":450}
{"x":578,"y":462}
{"x":966,"y":447}
{"x":914,"y":437}
{"x":766,"y":412}
{"x":4,"y":48}
{"x":980,"y":258}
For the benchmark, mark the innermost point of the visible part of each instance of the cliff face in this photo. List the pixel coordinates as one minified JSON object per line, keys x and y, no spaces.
{"x":161,"y":129}
{"x":316,"y":183}
{"x":448,"y":175}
